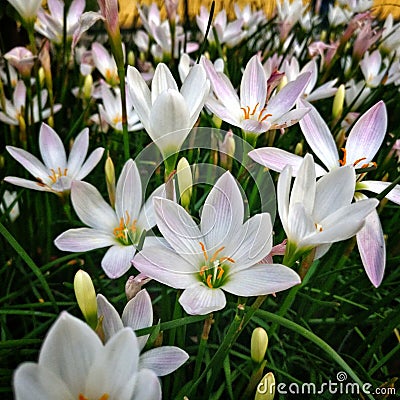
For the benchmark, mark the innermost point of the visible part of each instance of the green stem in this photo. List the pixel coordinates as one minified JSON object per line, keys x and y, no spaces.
{"x":202,"y":346}
{"x":31,"y":264}
{"x":121,"y":75}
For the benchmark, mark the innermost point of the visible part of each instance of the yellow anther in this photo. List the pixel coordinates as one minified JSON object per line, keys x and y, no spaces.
{"x":221,"y":260}
{"x":342,"y":162}
{"x":209,"y":284}
{"x":203,"y":269}
{"x":220,"y":273}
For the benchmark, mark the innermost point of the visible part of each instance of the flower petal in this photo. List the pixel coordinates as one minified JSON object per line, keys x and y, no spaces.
{"x":261,"y":279}
{"x":223,"y":213}
{"x":128,"y":197}
{"x":367,"y":135}
{"x":83,"y":239}
{"x":378,"y":187}
{"x":52,"y":148}
{"x":163,"y":360}
{"x":179,"y":229}
{"x":117,"y":260}
{"x":198,"y":299}
{"x":91,"y":208}
{"x":277,"y":159}
{"x":138,"y":314}
{"x":140,"y":96}
{"x":30,"y":162}
{"x":90,"y":163}
{"x":78,"y":152}
{"x":111,"y":323}
{"x":33,"y":382}
{"x":162,"y":81}
{"x":371,"y":246}
{"x":333,"y":191}
{"x":151,"y":390}
{"x":253,"y":88}
{"x":166,"y":266}
{"x":113,"y":371}
{"x":69,"y":350}
{"x":27,"y":183}
{"x":319,"y":137}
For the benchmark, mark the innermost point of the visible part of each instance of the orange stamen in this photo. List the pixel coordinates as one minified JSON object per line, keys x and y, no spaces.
{"x":221,"y":260}
{"x":215,"y":255}
{"x":209,"y":284}
{"x":360,"y":159}
{"x":220,"y":273}
{"x":254,"y":109}
{"x":203,"y":269}
{"x":262,"y":118}
{"x":343,"y":161}
{"x":105,"y":396}
{"x":203,"y":248}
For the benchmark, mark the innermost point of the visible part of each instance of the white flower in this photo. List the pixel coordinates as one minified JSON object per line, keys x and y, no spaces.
{"x":222,"y":254}
{"x":73,"y":364}
{"x":120,"y":229}
{"x":138,"y":314}
{"x":56,"y":174}
{"x":26,"y":9}
{"x":9,"y":200}
{"x":317,"y":213}
{"x":166,"y":113}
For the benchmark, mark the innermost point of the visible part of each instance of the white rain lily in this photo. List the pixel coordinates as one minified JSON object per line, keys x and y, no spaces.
{"x":105,"y":63}
{"x":363,"y":142}
{"x":166,"y":113}
{"x":111,"y":110}
{"x":251,"y":112}
{"x":229,"y":33}
{"x":13,"y":114}
{"x":319,"y":213}
{"x":56,"y":173}
{"x":120,"y":229}
{"x":26,"y":9}
{"x":356,"y":94}
{"x":221,"y":254}
{"x":51,"y":25}
{"x":371,"y":68}
{"x":74,"y":364}
{"x":292,"y":71}
{"x":138,"y":314}
{"x":22,"y":59}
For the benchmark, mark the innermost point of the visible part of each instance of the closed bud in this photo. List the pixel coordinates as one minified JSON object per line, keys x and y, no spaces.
{"x":110,"y":180}
{"x":282,"y":83}
{"x":131,"y":58}
{"x":338,"y":102}
{"x":87,"y":87}
{"x":86,"y":297}
{"x":50,"y":121}
{"x":259,"y":344}
{"x":299,"y":149}
{"x":227,"y":150}
{"x":42,"y":76}
{"x":185,"y":181}
{"x":266,"y":388}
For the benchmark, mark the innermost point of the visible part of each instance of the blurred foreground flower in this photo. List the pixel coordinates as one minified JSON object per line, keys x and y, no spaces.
{"x":9,"y":206}
{"x":56,"y":174}
{"x":122,"y":228}
{"x":138,"y":314}
{"x":220,"y":254}
{"x":73,"y":364}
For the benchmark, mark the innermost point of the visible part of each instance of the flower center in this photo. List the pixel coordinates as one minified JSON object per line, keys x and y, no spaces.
{"x":126,"y":232}
{"x":318,"y":227}
{"x":117,"y":119}
{"x":57,"y":173}
{"x":213,"y":272}
{"x":105,"y":396}
{"x":251,"y":114}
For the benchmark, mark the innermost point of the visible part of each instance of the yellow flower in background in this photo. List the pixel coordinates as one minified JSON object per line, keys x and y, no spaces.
{"x":382,"y":8}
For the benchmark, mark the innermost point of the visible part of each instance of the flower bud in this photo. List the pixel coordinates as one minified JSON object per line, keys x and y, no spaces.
{"x":282,"y":83}
{"x":227,"y":150}
{"x":131,"y":58}
{"x":259,"y":344}
{"x":86,"y":297}
{"x":42,"y":76}
{"x":185,"y":181}
{"x":299,"y":149}
{"x":266,"y":387}
{"x":110,"y":180}
{"x":87,"y":86}
{"x":338,"y":102}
